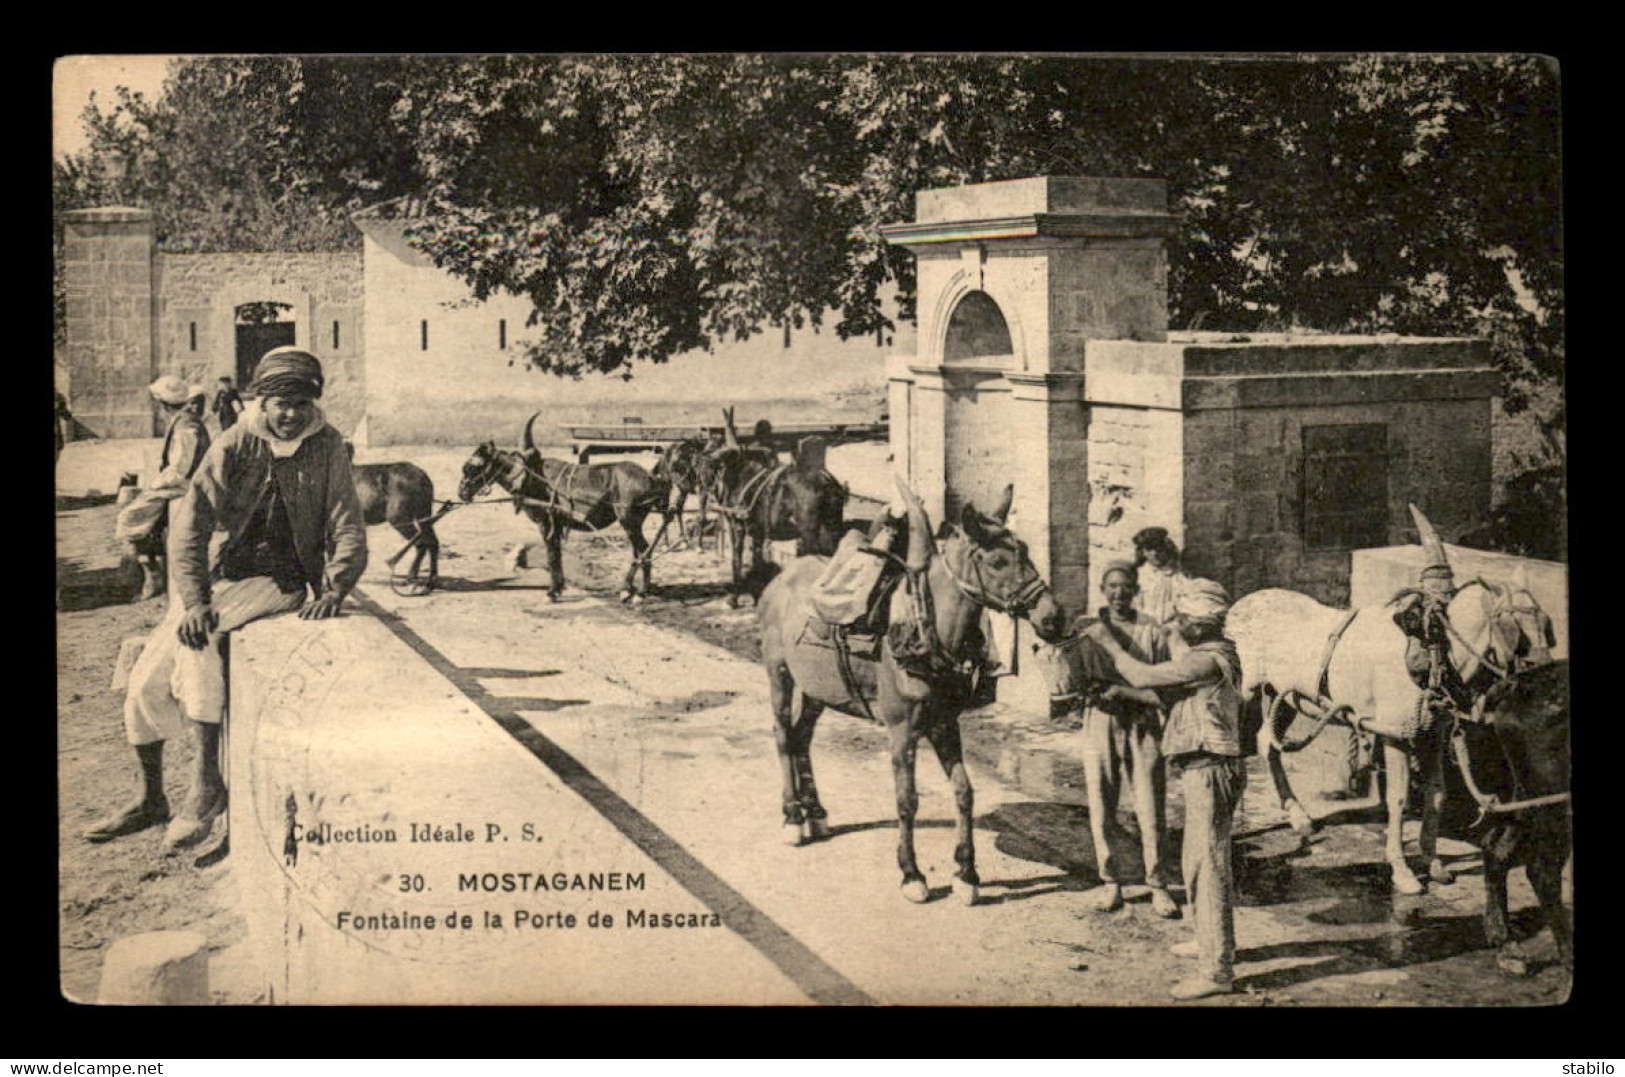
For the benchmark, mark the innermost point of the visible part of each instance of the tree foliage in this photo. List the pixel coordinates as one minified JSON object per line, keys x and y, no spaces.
{"x":647,"y":205}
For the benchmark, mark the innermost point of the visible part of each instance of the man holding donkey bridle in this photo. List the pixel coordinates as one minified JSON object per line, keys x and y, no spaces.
{"x":1202,"y":743}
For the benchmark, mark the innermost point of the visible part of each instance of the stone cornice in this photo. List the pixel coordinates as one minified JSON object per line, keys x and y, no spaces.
{"x":1341,"y":387}
{"x":1055,"y":379}
{"x":110,"y":215}
{"x":1053,"y":386}
{"x":1032,"y":226}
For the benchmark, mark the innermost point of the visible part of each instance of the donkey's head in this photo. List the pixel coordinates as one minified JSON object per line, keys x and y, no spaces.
{"x":480,"y":471}
{"x":816,"y":501}
{"x":989,"y":564}
{"x":1501,"y":626}
{"x":1521,"y":632}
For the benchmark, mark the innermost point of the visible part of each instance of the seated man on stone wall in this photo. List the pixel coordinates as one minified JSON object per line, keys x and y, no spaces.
{"x":279,"y":485}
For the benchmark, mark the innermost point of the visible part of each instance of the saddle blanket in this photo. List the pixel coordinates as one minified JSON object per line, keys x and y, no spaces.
{"x":842,"y":594}
{"x":864,"y":645}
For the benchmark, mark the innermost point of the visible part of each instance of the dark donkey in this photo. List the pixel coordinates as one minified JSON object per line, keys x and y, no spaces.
{"x":766,"y":500}
{"x":401,"y":495}
{"x":1512,"y":773}
{"x":687,"y":467}
{"x":559,"y":496}
{"x":918,"y":684}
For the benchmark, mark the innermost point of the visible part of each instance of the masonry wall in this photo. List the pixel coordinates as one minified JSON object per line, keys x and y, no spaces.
{"x":107,"y":268}
{"x":465,"y":386}
{"x":981,"y":453}
{"x":197,"y":296}
{"x":1206,"y":438}
{"x":1244,"y":495}
{"x":1135,"y":480}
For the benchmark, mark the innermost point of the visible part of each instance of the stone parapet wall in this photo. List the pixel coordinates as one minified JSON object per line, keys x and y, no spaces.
{"x":339,"y":728}
{"x":1238,"y":463}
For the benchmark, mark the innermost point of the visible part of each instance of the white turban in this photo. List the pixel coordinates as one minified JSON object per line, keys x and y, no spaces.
{"x":1201,"y":600}
{"x":169,"y":390}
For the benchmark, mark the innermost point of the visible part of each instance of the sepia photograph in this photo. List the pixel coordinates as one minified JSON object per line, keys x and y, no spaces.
{"x":811,"y":529}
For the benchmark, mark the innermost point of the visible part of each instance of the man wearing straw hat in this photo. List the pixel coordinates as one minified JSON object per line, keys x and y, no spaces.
{"x":143,"y":522}
{"x":279,"y":485}
{"x":1202,"y":743}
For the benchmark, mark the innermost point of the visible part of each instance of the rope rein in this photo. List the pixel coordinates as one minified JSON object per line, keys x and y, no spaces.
{"x":511,"y":469}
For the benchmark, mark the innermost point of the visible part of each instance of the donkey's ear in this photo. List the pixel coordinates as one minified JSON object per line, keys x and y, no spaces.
{"x":1001,"y":513}
{"x":973,"y":524}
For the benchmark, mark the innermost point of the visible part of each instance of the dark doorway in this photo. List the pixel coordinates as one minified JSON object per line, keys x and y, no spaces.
{"x":259,"y":329}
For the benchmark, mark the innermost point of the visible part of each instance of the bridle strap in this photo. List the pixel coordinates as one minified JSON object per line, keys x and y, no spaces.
{"x":1017,"y":605}
{"x":1497,"y":605}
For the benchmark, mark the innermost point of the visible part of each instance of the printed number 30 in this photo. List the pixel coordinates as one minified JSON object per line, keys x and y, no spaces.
{"x":411,"y":884}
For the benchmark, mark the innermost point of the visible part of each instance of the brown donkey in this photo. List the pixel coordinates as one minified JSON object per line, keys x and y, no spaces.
{"x":560,"y":497}
{"x":919,"y":683}
{"x":402,"y":495}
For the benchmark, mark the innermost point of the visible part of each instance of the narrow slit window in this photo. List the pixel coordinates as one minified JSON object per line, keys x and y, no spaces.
{"x":502,"y":334}
{"x":786,"y":334}
{"x":335,"y":336}
{"x":423,"y":331}
{"x":191,"y":330}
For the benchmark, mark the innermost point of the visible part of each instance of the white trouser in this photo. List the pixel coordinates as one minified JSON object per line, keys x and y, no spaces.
{"x":171,"y":681}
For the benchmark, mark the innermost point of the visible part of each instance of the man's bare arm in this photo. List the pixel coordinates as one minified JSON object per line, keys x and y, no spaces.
{"x":1188,"y":668}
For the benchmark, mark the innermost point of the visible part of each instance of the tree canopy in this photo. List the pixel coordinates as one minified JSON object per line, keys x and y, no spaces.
{"x":647,"y":205}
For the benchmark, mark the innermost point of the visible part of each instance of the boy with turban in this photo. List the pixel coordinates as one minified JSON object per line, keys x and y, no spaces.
{"x":1202,"y":743}
{"x":279,"y":485}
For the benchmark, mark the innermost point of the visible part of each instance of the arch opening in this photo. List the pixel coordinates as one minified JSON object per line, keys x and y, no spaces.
{"x":260,"y":326}
{"x":977,"y":331}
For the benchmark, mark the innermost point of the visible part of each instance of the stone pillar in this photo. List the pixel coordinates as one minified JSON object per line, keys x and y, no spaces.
{"x":107,"y":261}
{"x":1014,"y":277}
{"x":1052,"y":484}
{"x":1063,"y":260}
{"x":926,"y":449}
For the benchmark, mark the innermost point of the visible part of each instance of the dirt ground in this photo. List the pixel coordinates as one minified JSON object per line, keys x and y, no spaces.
{"x":122,"y":887}
{"x":112,"y":890}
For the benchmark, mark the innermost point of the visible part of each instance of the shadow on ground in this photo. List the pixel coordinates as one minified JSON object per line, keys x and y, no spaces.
{"x":462,"y":585}
{"x":91,"y":501}
{"x":689,"y":593}
{"x":81,"y":588}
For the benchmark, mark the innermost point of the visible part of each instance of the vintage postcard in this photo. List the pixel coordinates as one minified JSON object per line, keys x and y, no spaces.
{"x":811,"y":530}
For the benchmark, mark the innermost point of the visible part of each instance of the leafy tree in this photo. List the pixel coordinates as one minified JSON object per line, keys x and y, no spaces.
{"x":647,"y":205}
